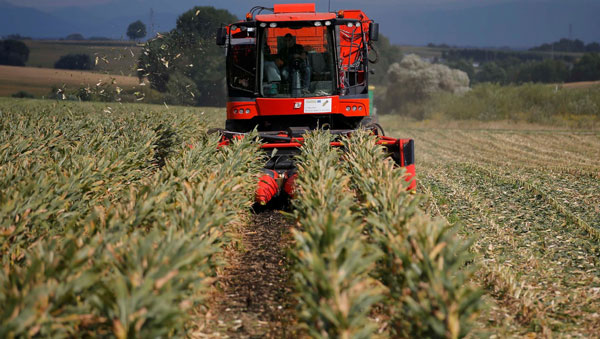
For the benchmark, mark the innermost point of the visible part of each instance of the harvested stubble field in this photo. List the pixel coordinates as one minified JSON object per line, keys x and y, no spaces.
{"x":40,"y":81}
{"x":530,"y":199}
{"x":114,"y":57}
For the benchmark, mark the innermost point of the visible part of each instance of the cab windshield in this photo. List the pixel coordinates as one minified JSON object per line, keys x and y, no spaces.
{"x":297,"y":61}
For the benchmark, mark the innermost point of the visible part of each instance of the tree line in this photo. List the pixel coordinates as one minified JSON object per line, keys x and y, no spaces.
{"x":568,"y":45}
{"x":506,"y":67}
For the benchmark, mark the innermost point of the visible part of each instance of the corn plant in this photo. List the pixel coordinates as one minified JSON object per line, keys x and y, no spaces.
{"x":423,"y":265}
{"x":332,"y":262}
{"x":101,"y":239}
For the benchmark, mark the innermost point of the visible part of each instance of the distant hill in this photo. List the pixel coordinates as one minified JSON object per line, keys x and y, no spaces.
{"x":32,"y":22}
{"x":59,"y":23}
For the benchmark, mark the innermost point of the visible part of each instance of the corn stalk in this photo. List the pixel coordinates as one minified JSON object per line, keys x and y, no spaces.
{"x":98,"y":239}
{"x":424,"y":266}
{"x":332,"y":261}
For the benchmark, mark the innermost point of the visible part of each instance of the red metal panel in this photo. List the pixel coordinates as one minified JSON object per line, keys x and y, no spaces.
{"x":295,"y":106}
{"x":243,"y":105}
{"x":294,"y":8}
{"x":411,"y":177}
{"x":295,"y":17}
{"x":358,"y":103}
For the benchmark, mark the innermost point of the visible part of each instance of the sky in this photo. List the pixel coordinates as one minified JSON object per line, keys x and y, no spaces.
{"x":514,"y":23}
{"x":243,"y":5}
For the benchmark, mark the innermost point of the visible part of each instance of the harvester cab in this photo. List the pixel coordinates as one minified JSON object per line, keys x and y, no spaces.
{"x":290,"y":69}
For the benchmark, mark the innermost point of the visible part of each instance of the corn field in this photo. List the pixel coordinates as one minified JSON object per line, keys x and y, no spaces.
{"x":364,"y":249}
{"x":112,"y":221}
{"x":129,"y":221}
{"x":530,"y":200}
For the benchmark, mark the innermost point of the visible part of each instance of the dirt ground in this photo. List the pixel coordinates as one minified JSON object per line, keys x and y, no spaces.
{"x":256,"y":296}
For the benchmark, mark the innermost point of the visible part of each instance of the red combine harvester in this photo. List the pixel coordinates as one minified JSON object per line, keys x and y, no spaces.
{"x":294,"y":70}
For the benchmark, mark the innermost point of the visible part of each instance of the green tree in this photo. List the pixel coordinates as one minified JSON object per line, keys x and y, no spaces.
{"x":136,"y":30}
{"x":201,"y":23}
{"x":587,"y":68}
{"x":74,"y":61}
{"x":592,"y":47}
{"x":491,"y":72}
{"x":13,"y":52}
{"x":189,"y":51}
{"x":547,"y":71}
{"x":463,"y":65}
{"x":386,"y":54}
{"x":75,"y":37}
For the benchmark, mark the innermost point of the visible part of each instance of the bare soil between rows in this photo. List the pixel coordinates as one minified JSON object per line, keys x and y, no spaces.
{"x":256,"y":297}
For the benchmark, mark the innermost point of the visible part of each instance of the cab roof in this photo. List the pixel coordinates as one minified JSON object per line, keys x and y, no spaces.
{"x":294,"y":12}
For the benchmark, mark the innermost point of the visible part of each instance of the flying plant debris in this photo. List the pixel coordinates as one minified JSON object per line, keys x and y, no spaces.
{"x":191,"y":93}
{"x":139,"y":96}
{"x":61,"y":93}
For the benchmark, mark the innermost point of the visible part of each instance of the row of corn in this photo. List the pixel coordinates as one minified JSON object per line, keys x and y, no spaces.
{"x":110,"y":224}
{"x":365,"y":252}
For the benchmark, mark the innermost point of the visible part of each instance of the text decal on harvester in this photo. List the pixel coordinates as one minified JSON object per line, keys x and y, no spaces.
{"x":317,"y":105}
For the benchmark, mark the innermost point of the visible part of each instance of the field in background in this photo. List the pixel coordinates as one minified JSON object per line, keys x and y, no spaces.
{"x":574,"y":105}
{"x":114,"y":57}
{"x":530,"y":200}
{"x":115,"y":61}
{"x":39,"y":81}
{"x":436,"y":52}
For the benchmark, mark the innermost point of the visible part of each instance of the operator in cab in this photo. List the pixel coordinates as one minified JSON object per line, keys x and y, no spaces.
{"x":292,"y":57}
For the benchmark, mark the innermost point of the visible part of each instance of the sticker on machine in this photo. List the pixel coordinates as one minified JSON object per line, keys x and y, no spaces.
{"x":317,"y":105}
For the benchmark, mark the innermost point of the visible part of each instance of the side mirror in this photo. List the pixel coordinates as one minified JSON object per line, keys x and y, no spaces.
{"x":374,"y":31}
{"x":221,"y":36}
